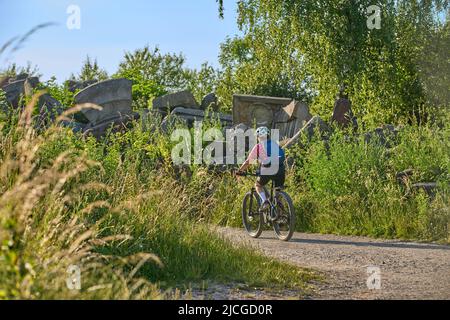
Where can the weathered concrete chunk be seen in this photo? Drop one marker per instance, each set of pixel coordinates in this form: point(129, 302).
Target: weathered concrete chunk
point(200, 114)
point(14, 91)
point(114, 96)
point(49, 106)
point(290, 119)
point(313, 125)
point(29, 85)
point(187, 117)
point(258, 110)
point(118, 123)
point(20, 88)
point(241, 126)
point(22, 76)
point(73, 85)
point(75, 126)
point(284, 114)
point(171, 101)
point(4, 81)
point(210, 101)
point(384, 135)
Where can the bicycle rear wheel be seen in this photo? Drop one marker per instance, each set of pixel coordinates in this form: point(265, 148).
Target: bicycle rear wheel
point(284, 225)
point(251, 216)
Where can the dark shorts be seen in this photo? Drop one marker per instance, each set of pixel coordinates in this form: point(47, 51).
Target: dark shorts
point(278, 178)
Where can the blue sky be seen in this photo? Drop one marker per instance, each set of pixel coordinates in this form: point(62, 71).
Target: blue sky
point(111, 27)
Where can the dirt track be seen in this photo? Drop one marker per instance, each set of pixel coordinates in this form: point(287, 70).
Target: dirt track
point(408, 270)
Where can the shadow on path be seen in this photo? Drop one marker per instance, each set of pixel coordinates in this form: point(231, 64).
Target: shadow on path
point(393, 244)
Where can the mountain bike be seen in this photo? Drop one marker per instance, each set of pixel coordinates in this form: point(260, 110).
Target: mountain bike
point(279, 214)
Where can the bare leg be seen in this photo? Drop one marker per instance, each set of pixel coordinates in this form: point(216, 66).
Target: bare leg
point(261, 192)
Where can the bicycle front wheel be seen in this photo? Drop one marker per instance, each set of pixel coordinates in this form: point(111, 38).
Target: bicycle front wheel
point(284, 225)
point(251, 217)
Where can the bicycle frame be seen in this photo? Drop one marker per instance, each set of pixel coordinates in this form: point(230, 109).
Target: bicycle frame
point(271, 195)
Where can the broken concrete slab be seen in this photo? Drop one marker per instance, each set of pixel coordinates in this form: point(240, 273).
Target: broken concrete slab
point(99, 130)
point(384, 135)
point(309, 130)
point(114, 96)
point(74, 125)
point(14, 91)
point(187, 117)
point(197, 114)
point(168, 102)
point(4, 81)
point(29, 85)
point(171, 122)
point(49, 107)
point(210, 101)
point(73, 85)
point(284, 114)
point(257, 110)
point(290, 119)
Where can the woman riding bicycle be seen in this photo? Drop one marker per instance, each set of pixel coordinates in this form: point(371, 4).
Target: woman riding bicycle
point(270, 157)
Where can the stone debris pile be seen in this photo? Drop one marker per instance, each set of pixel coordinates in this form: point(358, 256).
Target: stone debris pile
point(17, 89)
point(181, 107)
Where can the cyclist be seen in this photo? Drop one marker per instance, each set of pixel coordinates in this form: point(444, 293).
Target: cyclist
point(270, 157)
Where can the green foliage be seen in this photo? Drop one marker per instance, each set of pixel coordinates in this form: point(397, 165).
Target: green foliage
point(91, 71)
point(203, 81)
point(307, 51)
point(119, 203)
point(59, 92)
point(14, 70)
point(153, 73)
point(350, 186)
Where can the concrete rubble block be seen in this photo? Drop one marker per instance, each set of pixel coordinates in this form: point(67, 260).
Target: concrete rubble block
point(4, 81)
point(14, 91)
point(241, 126)
point(171, 101)
point(257, 110)
point(49, 107)
point(114, 96)
point(199, 115)
point(170, 122)
point(187, 117)
point(99, 130)
point(29, 85)
point(290, 119)
point(73, 85)
point(210, 101)
point(383, 135)
point(309, 130)
point(75, 126)
point(22, 76)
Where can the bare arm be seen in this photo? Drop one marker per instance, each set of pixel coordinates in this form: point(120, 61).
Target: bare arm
point(244, 166)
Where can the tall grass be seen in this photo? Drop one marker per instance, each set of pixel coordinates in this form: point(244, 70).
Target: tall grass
point(349, 186)
point(115, 208)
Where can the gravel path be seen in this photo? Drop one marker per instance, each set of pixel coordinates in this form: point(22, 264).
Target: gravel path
point(407, 270)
